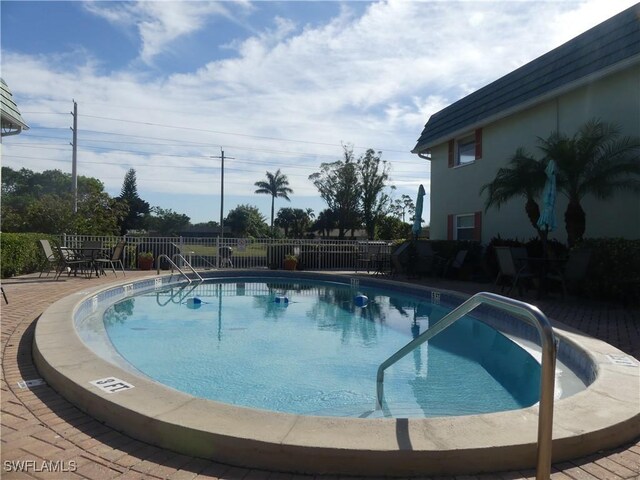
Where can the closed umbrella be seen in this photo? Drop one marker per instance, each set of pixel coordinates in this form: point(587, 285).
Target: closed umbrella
point(547, 220)
point(417, 223)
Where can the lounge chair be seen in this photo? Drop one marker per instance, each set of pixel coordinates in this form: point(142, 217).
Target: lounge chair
point(116, 258)
point(510, 269)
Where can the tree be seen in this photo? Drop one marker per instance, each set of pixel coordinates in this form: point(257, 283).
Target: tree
point(246, 220)
point(326, 221)
point(43, 202)
point(277, 185)
point(138, 208)
point(597, 160)
point(166, 221)
point(524, 177)
point(294, 221)
point(392, 228)
point(403, 205)
point(340, 188)
point(374, 174)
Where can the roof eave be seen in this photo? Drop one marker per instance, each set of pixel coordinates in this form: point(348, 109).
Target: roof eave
point(627, 63)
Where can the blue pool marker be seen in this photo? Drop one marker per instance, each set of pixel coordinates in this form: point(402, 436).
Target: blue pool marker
point(282, 300)
point(361, 300)
point(194, 303)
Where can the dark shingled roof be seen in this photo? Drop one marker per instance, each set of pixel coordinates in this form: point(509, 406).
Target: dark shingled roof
point(603, 46)
point(9, 113)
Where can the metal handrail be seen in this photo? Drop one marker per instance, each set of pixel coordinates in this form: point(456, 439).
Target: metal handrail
point(173, 265)
point(547, 374)
point(177, 294)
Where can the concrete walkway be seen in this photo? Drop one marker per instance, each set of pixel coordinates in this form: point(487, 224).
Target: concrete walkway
point(44, 436)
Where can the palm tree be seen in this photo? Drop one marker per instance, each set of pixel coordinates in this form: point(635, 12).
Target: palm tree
point(597, 160)
point(276, 185)
point(524, 177)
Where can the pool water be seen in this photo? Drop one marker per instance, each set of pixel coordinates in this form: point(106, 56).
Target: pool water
point(318, 354)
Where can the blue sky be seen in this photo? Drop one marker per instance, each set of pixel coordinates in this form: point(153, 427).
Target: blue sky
point(163, 86)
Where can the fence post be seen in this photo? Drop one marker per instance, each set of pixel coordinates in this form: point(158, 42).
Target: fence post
point(218, 251)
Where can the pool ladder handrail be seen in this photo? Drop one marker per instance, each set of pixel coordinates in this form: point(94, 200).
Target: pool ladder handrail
point(173, 265)
point(523, 311)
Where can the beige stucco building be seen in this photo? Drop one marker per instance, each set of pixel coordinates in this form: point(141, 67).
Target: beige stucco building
point(595, 75)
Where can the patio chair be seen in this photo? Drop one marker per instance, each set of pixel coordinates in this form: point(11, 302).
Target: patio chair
point(573, 271)
point(225, 257)
point(50, 259)
point(89, 252)
point(455, 263)
point(367, 255)
point(67, 262)
point(116, 258)
point(509, 268)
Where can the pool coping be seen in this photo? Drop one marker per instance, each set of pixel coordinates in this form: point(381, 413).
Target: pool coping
point(605, 415)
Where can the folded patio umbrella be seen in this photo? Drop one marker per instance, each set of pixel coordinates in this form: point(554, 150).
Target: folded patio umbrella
point(417, 223)
point(547, 220)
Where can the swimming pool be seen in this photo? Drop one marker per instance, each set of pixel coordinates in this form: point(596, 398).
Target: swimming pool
point(313, 348)
point(90, 373)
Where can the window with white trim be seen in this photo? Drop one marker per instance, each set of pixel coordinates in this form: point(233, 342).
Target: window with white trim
point(464, 228)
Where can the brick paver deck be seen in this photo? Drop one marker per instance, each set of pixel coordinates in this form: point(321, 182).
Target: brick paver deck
point(45, 437)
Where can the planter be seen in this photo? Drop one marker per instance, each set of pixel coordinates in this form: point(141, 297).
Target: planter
point(145, 263)
point(290, 264)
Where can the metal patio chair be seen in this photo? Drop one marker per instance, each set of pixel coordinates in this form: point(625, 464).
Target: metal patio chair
point(67, 262)
point(50, 259)
point(573, 271)
point(115, 258)
point(509, 269)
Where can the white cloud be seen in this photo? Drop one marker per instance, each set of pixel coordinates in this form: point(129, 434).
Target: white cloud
point(371, 80)
point(160, 22)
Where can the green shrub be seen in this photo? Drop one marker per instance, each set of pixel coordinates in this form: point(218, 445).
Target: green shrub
point(21, 253)
point(614, 269)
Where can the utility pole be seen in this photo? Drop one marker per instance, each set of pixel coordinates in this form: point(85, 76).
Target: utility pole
point(74, 157)
point(222, 157)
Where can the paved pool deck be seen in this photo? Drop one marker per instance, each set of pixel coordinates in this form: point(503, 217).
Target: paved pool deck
point(43, 436)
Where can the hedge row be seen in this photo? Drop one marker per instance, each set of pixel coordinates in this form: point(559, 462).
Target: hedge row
point(614, 267)
point(21, 253)
point(614, 270)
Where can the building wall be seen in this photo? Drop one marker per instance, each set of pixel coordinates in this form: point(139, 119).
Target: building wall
point(615, 98)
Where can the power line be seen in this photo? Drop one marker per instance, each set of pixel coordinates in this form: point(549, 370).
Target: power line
point(263, 137)
point(157, 166)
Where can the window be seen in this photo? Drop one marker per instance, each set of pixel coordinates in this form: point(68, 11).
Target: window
point(465, 150)
point(466, 226)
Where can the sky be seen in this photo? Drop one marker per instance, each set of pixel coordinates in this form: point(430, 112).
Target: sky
point(164, 87)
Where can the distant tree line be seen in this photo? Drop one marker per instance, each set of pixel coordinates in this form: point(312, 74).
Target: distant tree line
point(356, 191)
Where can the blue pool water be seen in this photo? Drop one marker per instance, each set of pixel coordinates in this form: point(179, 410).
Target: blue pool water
point(318, 353)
